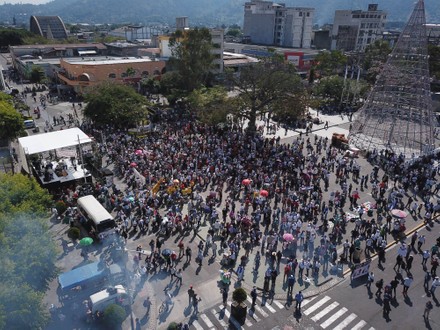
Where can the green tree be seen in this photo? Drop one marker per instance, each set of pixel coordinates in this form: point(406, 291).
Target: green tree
point(37, 74)
point(268, 86)
point(210, 104)
point(191, 57)
point(114, 315)
point(330, 63)
point(375, 57)
point(116, 105)
point(434, 61)
point(330, 88)
point(11, 122)
point(27, 253)
point(239, 295)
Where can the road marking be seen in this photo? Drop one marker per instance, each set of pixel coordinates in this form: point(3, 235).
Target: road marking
point(278, 304)
point(335, 316)
point(360, 325)
point(207, 320)
point(316, 306)
point(325, 311)
point(253, 315)
point(197, 325)
point(269, 307)
point(220, 320)
point(306, 301)
point(263, 313)
point(346, 322)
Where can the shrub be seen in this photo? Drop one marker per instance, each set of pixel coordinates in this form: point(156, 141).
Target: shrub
point(239, 295)
point(114, 315)
point(73, 233)
point(172, 326)
point(61, 207)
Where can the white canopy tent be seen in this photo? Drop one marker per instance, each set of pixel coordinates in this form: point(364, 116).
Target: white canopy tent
point(39, 143)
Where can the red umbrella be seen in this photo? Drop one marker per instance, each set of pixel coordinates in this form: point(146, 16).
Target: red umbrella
point(133, 164)
point(288, 237)
point(399, 213)
point(264, 193)
point(246, 182)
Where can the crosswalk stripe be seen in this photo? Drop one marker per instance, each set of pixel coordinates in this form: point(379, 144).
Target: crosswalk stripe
point(254, 315)
point(207, 321)
point(197, 325)
point(334, 317)
point(306, 301)
point(262, 312)
point(221, 321)
point(345, 322)
point(360, 325)
point(278, 304)
point(325, 311)
point(316, 306)
point(232, 320)
point(269, 307)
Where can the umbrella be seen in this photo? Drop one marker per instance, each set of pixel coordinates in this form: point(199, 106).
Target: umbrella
point(288, 237)
point(246, 182)
point(86, 241)
point(264, 193)
point(166, 252)
point(138, 152)
point(399, 213)
point(133, 164)
point(175, 181)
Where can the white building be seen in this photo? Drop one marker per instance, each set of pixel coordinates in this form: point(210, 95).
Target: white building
point(354, 30)
point(268, 23)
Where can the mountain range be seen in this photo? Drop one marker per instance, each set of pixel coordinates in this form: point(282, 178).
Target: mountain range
point(200, 12)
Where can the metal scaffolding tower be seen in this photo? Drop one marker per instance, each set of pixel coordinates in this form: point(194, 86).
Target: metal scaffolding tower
point(398, 113)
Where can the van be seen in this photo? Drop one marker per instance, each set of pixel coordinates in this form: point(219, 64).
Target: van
point(113, 295)
point(95, 214)
point(29, 124)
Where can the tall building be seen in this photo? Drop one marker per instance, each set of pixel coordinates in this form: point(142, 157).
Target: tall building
point(354, 30)
point(50, 27)
point(268, 23)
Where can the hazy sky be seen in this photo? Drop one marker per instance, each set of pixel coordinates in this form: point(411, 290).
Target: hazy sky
point(34, 2)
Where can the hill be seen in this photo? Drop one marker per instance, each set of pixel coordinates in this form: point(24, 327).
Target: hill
point(200, 12)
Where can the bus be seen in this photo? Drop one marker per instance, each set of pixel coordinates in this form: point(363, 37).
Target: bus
point(96, 215)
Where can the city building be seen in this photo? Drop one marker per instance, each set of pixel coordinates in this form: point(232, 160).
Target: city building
point(269, 23)
point(49, 27)
point(433, 34)
point(217, 39)
point(354, 30)
point(83, 73)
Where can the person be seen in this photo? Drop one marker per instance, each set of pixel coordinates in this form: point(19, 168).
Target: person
point(225, 297)
point(428, 308)
point(379, 286)
point(298, 299)
point(370, 280)
point(178, 276)
point(190, 294)
point(394, 283)
point(386, 303)
point(147, 305)
point(434, 265)
point(196, 301)
point(406, 284)
point(188, 253)
point(254, 296)
point(398, 264)
point(434, 285)
point(290, 284)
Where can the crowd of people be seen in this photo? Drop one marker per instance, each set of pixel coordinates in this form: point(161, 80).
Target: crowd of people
point(296, 201)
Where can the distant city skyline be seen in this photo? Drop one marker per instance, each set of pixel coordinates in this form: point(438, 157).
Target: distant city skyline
point(33, 2)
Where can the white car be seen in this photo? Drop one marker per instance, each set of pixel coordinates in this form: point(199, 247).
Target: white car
point(29, 124)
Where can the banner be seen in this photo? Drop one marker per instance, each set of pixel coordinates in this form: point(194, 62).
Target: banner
point(360, 270)
point(156, 187)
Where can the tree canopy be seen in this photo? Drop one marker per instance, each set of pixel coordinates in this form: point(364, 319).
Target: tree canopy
point(11, 122)
point(27, 253)
point(330, 63)
point(268, 86)
point(116, 105)
point(191, 57)
point(210, 104)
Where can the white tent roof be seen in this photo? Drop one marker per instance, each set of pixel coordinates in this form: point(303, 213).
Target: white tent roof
point(35, 144)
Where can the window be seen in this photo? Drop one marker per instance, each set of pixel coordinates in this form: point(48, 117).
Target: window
point(308, 14)
point(300, 13)
point(112, 75)
point(124, 74)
